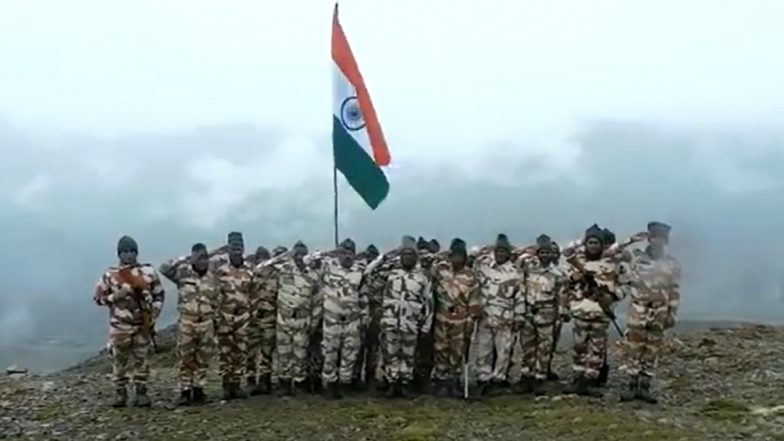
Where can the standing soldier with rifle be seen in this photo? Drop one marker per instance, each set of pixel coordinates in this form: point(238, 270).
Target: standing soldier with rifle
point(236, 300)
point(134, 295)
point(456, 309)
point(544, 294)
point(652, 310)
point(196, 304)
point(598, 283)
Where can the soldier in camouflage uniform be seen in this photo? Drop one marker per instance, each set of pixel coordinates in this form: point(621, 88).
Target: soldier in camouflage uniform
point(456, 309)
point(367, 360)
point(298, 313)
point(134, 295)
point(407, 311)
point(544, 289)
point(427, 251)
point(345, 315)
point(654, 305)
point(236, 301)
point(499, 279)
point(196, 305)
point(261, 330)
point(598, 282)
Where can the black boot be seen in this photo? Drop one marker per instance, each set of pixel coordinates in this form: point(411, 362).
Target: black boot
point(582, 386)
point(198, 396)
point(141, 399)
point(301, 387)
point(253, 386)
point(631, 389)
point(496, 388)
point(120, 397)
point(239, 392)
point(524, 386)
point(407, 391)
point(265, 385)
point(485, 388)
point(335, 390)
point(552, 376)
point(227, 394)
point(357, 385)
point(644, 392)
point(186, 398)
point(383, 386)
point(393, 391)
point(441, 388)
point(537, 387)
point(285, 387)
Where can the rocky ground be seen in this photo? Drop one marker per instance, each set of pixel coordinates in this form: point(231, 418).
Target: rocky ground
point(718, 384)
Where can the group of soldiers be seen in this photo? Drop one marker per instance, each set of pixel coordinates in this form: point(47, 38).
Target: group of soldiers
point(408, 321)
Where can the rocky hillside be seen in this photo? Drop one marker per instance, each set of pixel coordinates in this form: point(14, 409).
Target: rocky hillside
point(717, 384)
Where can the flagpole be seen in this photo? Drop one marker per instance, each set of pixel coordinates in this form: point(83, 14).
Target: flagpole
point(335, 192)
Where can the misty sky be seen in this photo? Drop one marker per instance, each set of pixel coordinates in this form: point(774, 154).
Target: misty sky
point(177, 121)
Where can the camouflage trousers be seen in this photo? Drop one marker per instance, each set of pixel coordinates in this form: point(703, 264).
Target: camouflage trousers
point(494, 344)
point(450, 338)
point(195, 340)
point(340, 347)
point(233, 346)
point(292, 341)
point(130, 355)
point(261, 344)
point(532, 351)
point(398, 349)
point(644, 339)
point(590, 345)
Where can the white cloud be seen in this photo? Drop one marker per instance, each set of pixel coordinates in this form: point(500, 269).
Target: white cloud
point(32, 194)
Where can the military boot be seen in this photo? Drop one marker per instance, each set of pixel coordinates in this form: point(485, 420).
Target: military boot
point(227, 394)
point(441, 388)
point(186, 398)
point(265, 384)
point(407, 391)
point(120, 397)
point(631, 389)
point(198, 396)
point(335, 390)
point(141, 399)
point(253, 386)
point(580, 386)
point(538, 387)
point(552, 376)
point(285, 388)
point(644, 392)
point(301, 387)
point(239, 392)
point(524, 386)
point(393, 389)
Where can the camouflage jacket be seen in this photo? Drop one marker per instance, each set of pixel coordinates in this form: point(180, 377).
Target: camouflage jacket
point(456, 294)
point(130, 292)
point(596, 285)
point(297, 296)
point(407, 302)
point(500, 290)
point(238, 291)
point(545, 292)
point(657, 281)
point(198, 294)
point(343, 299)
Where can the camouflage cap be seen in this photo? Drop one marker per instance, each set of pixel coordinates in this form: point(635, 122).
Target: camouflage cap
point(502, 241)
point(299, 245)
point(371, 249)
point(595, 232)
point(126, 243)
point(422, 243)
point(262, 252)
point(458, 246)
point(349, 245)
point(659, 229)
point(434, 246)
point(278, 250)
point(408, 243)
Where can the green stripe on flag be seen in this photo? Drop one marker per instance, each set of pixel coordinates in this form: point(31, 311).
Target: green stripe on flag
point(359, 168)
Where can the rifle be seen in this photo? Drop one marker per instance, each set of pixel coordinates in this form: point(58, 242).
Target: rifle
point(467, 360)
point(139, 285)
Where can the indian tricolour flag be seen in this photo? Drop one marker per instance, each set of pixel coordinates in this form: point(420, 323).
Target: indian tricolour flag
point(358, 143)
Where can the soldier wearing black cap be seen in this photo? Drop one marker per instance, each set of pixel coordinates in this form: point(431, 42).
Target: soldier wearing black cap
point(134, 295)
point(456, 290)
point(598, 282)
point(652, 310)
point(499, 280)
